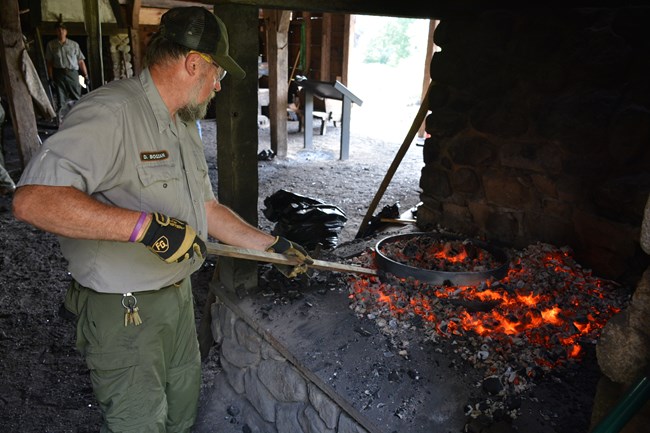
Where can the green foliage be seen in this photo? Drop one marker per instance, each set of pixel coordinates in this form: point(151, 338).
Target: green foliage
point(392, 43)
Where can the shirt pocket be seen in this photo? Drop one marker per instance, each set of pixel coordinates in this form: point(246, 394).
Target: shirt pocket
point(201, 174)
point(161, 186)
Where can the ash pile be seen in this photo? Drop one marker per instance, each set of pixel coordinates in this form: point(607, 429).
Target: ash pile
point(539, 321)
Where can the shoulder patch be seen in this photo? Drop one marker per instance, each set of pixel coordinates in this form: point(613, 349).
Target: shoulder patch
point(154, 156)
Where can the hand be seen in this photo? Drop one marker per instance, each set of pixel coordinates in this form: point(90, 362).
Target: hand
point(171, 239)
point(291, 249)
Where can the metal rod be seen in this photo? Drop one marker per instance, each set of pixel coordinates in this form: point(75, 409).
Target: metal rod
point(626, 408)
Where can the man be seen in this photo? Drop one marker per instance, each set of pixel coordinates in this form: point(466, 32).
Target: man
point(64, 62)
point(124, 183)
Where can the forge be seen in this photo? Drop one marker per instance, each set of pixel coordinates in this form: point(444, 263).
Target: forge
point(352, 353)
point(537, 141)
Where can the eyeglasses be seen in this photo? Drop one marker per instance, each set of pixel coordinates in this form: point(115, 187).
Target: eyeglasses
point(221, 71)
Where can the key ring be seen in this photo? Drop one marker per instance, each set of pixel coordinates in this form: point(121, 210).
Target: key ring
point(129, 301)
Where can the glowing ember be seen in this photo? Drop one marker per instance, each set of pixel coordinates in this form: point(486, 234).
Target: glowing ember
point(538, 317)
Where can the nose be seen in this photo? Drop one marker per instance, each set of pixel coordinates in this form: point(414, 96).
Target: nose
point(217, 85)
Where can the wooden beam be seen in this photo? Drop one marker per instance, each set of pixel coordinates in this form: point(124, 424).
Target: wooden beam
point(348, 41)
point(150, 16)
point(306, 19)
point(426, 77)
point(236, 117)
point(118, 13)
point(93, 26)
point(133, 22)
point(277, 25)
point(35, 13)
point(168, 4)
point(41, 63)
point(437, 9)
point(326, 47)
point(21, 106)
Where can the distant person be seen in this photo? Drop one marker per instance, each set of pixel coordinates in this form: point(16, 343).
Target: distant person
point(64, 63)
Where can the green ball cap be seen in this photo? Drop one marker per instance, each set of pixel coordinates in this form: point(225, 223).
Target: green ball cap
point(198, 29)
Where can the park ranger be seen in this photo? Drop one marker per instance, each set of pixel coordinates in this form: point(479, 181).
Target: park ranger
point(64, 63)
point(124, 183)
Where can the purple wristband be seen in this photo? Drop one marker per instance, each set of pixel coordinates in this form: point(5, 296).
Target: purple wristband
point(138, 226)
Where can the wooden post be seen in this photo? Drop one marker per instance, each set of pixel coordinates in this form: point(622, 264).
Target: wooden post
point(42, 64)
point(326, 47)
point(427, 67)
point(237, 141)
point(277, 25)
point(94, 29)
point(133, 22)
point(306, 19)
point(21, 106)
point(348, 40)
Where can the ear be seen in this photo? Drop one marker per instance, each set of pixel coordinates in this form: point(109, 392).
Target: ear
point(191, 64)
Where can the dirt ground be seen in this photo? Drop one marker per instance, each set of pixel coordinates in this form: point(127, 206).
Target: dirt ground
point(44, 384)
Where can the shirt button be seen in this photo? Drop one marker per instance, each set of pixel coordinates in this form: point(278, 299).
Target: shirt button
point(164, 185)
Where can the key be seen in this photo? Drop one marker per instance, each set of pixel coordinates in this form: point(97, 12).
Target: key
point(131, 315)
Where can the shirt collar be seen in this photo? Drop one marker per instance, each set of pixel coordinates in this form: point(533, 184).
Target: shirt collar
point(157, 105)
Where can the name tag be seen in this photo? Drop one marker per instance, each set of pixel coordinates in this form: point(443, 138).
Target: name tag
point(154, 156)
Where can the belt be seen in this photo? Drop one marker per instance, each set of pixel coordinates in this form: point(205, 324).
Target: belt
point(65, 69)
point(176, 284)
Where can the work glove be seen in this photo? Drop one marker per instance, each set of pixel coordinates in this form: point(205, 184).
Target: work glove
point(290, 249)
point(171, 239)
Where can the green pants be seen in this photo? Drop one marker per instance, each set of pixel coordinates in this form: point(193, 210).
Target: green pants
point(66, 83)
point(146, 378)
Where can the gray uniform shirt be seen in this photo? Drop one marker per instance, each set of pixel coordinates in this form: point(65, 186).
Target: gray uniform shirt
point(65, 55)
point(119, 145)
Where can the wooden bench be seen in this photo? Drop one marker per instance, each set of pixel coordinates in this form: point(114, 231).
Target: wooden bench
point(320, 115)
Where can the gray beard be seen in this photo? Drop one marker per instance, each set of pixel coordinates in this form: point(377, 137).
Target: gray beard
point(193, 111)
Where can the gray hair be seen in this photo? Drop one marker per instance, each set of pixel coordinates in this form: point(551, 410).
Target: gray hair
point(160, 51)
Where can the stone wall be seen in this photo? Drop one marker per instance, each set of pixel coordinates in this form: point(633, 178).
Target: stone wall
point(540, 131)
point(121, 57)
point(281, 397)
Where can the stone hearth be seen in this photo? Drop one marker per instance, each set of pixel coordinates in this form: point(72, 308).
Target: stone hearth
point(300, 360)
point(538, 132)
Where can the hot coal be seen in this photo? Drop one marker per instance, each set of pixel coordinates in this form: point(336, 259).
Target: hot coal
point(440, 254)
point(537, 322)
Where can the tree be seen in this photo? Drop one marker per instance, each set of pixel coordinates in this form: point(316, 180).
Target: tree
point(392, 44)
